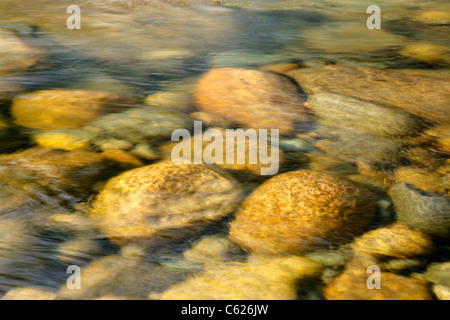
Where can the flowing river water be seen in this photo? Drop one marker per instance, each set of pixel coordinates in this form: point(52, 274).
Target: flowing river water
point(87, 174)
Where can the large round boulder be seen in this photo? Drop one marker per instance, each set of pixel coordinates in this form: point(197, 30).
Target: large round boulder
point(251, 98)
point(164, 201)
point(300, 210)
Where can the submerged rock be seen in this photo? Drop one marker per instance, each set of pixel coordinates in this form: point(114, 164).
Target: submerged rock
point(55, 170)
point(65, 109)
point(164, 201)
point(439, 273)
point(29, 293)
point(361, 130)
point(252, 98)
point(441, 292)
point(73, 225)
point(62, 139)
point(301, 210)
point(78, 251)
point(211, 249)
point(121, 275)
point(8, 89)
point(427, 52)
point(181, 101)
point(10, 137)
point(438, 17)
point(425, 179)
point(349, 39)
point(427, 212)
point(352, 147)
point(352, 285)
point(138, 125)
point(258, 279)
point(442, 136)
point(15, 53)
point(258, 154)
point(336, 111)
point(395, 241)
point(409, 90)
point(21, 258)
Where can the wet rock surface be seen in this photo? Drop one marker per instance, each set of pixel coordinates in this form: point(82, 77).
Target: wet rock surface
point(118, 274)
point(408, 90)
point(426, 212)
point(137, 125)
point(395, 241)
point(102, 102)
point(352, 285)
point(258, 279)
point(301, 210)
point(16, 54)
point(64, 109)
point(164, 201)
point(259, 154)
point(253, 99)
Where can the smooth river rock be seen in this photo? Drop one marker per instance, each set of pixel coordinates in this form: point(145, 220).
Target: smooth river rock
point(164, 201)
point(65, 109)
point(427, 212)
point(251, 98)
point(258, 279)
point(395, 241)
point(352, 285)
point(301, 210)
point(423, 94)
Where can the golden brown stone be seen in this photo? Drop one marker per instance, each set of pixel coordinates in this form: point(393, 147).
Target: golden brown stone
point(251, 98)
point(300, 210)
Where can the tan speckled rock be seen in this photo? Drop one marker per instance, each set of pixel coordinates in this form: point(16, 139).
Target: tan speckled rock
point(255, 99)
point(164, 201)
point(64, 109)
point(300, 210)
point(396, 241)
point(352, 285)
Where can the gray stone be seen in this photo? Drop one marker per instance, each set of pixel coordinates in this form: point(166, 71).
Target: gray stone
point(337, 111)
point(138, 125)
point(424, 94)
point(439, 273)
point(427, 212)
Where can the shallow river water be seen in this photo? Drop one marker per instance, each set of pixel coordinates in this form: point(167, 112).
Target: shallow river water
point(353, 175)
